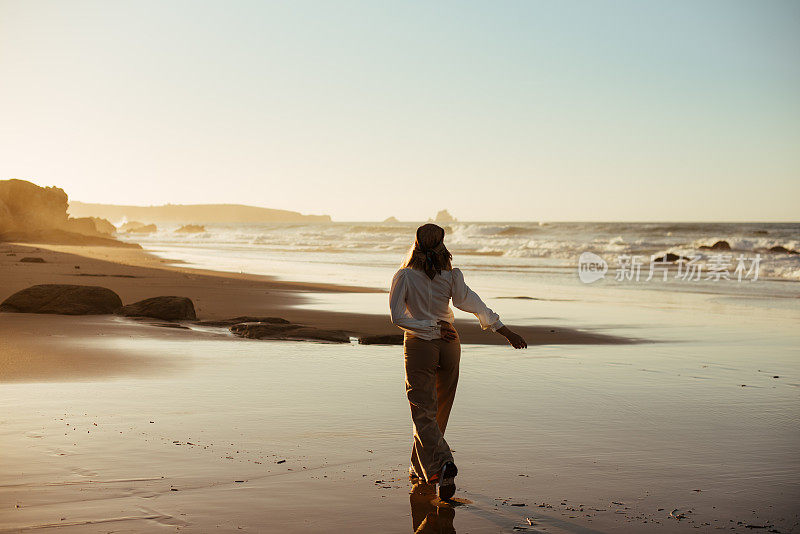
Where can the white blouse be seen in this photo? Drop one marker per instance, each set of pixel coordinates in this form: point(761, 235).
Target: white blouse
point(418, 303)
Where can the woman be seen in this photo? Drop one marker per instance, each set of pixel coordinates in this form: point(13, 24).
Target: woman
point(419, 302)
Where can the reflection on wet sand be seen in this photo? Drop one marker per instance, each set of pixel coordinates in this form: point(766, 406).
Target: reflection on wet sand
point(197, 430)
point(429, 515)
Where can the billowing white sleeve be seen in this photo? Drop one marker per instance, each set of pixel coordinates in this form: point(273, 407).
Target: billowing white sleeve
point(467, 300)
point(400, 315)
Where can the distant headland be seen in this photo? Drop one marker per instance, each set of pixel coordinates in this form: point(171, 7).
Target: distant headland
point(191, 213)
point(30, 213)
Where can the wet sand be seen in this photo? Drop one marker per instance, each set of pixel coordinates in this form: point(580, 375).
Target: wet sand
point(135, 275)
point(117, 425)
point(588, 439)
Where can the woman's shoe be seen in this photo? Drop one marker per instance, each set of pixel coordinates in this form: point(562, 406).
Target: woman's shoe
point(447, 481)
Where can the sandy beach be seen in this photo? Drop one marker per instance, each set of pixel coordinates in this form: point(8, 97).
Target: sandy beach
point(135, 275)
point(119, 425)
point(257, 257)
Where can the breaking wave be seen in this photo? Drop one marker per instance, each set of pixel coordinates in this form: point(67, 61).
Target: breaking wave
point(519, 242)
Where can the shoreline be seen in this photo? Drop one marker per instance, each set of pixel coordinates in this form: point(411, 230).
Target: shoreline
point(220, 295)
point(135, 274)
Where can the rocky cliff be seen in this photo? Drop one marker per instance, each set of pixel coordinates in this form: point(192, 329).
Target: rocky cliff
point(30, 213)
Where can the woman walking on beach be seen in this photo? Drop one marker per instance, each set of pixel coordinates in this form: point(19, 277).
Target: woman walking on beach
point(419, 301)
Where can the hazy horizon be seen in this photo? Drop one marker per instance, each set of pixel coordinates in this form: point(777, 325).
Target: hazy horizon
point(520, 111)
point(336, 220)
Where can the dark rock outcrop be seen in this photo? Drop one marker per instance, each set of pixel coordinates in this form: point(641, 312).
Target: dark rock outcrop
point(172, 325)
point(131, 225)
point(444, 217)
point(669, 257)
point(144, 229)
point(289, 332)
point(719, 245)
point(63, 299)
point(167, 308)
point(191, 229)
point(782, 250)
point(261, 330)
point(306, 333)
point(32, 259)
point(92, 226)
point(387, 339)
point(104, 226)
point(243, 319)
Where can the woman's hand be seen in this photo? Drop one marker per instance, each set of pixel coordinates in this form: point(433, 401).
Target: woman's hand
point(448, 331)
point(513, 338)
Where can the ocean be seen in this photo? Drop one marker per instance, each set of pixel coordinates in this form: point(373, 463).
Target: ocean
point(510, 259)
point(698, 417)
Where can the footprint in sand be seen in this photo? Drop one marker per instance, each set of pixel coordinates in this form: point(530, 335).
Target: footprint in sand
point(84, 472)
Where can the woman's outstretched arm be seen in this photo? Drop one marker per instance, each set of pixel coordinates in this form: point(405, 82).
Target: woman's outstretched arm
point(516, 340)
point(467, 300)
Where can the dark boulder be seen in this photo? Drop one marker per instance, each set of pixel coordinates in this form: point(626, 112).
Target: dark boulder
point(172, 325)
point(386, 339)
point(191, 229)
point(32, 259)
point(259, 330)
point(63, 299)
point(166, 308)
point(288, 332)
point(782, 250)
point(307, 333)
point(669, 257)
point(243, 319)
point(719, 245)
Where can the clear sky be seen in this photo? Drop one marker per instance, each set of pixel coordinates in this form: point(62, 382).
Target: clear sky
point(495, 110)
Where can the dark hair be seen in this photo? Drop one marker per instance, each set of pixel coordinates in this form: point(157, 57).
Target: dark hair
point(428, 252)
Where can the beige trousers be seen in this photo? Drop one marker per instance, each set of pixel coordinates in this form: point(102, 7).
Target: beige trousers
point(431, 380)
